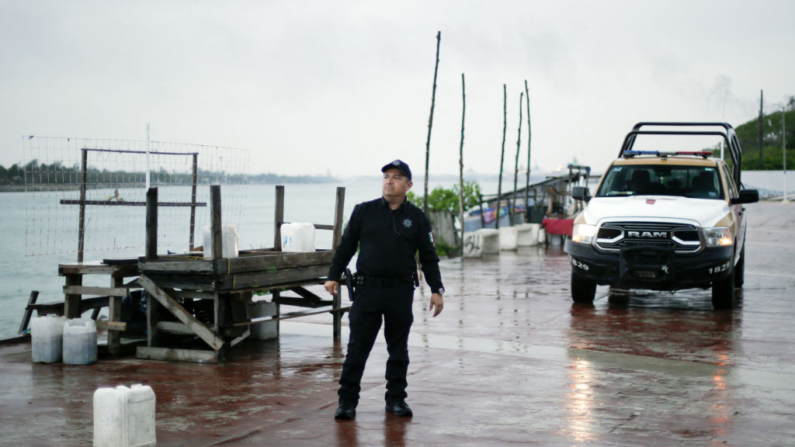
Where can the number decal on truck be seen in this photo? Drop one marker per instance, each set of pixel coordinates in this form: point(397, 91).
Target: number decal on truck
point(720, 269)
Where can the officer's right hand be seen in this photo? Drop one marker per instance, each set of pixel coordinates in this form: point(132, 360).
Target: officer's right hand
point(332, 287)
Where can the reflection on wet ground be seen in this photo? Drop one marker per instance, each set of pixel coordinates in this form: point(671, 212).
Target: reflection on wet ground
point(511, 360)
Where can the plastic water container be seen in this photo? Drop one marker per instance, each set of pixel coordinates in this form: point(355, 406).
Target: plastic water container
point(124, 417)
point(229, 247)
point(298, 237)
point(80, 341)
point(46, 334)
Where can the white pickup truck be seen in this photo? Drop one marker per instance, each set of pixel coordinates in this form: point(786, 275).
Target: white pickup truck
point(663, 220)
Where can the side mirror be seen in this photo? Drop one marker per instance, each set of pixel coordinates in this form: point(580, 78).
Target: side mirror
point(580, 193)
point(746, 196)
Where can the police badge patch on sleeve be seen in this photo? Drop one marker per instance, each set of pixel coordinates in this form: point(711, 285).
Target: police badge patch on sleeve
point(430, 236)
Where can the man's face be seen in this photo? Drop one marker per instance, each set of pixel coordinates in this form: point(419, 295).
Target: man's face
point(395, 185)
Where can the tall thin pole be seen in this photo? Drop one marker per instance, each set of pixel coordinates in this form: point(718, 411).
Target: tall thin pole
point(430, 124)
point(502, 155)
point(527, 183)
point(516, 164)
point(784, 147)
point(761, 117)
point(81, 223)
point(147, 157)
point(461, 162)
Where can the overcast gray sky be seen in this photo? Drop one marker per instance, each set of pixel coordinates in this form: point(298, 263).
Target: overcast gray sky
point(311, 87)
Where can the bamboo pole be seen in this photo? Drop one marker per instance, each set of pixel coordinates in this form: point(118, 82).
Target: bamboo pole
point(527, 183)
point(502, 154)
point(516, 164)
point(461, 163)
point(430, 125)
point(81, 222)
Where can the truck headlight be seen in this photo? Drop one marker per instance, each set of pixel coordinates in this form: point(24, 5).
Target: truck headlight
point(718, 237)
point(583, 233)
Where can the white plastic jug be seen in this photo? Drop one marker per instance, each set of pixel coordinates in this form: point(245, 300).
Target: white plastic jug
point(124, 417)
point(298, 237)
point(79, 341)
point(46, 334)
point(229, 247)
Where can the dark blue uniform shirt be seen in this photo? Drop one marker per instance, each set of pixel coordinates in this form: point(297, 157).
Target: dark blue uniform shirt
point(388, 240)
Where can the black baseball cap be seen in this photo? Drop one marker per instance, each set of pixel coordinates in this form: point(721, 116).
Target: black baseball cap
point(401, 166)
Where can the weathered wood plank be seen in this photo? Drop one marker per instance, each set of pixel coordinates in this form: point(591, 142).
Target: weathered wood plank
point(278, 218)
point(183, 315)
point(97, 268)
point(177, 355)
point(215, 221)
point(175, 327)
point(85, 290)
point(338, 211)
point(72, 306)
point(192, 294)
point(190, 282)
point(272, 262)
point(301, 302)
point(34, 295)
point(151, 223)
point(114, 317)
point(263, 279)
point(112, 327)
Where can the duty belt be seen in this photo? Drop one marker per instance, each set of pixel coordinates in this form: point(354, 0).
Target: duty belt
point(382, 281)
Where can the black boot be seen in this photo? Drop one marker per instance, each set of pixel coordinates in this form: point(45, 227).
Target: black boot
point(399, 408)
point(345, 412)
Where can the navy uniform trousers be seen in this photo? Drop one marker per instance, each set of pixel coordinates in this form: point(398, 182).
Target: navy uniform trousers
point(371, 305)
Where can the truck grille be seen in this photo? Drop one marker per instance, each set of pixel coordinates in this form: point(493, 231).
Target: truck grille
point(683, 238)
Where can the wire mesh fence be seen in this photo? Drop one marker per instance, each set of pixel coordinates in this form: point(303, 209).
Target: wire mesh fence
point(90, 194)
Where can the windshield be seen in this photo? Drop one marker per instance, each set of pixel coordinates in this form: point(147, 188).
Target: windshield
point(700, 182)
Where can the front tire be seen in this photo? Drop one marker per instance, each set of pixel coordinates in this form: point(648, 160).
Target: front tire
point(582, 290)
point(723, 292)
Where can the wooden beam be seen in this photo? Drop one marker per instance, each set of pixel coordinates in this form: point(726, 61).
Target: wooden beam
point(114, 317)
point(278, 218)
point(270, 279)
point(72, 301)
point(105, 291)
point(183, 315)
point(177, 355)
point(151, 223)
point(34, 295)
point(215, 223)
point(112, 327)
point(301, 302)
point(339, 209)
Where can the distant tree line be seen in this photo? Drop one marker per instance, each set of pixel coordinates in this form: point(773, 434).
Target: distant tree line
point(41, 174)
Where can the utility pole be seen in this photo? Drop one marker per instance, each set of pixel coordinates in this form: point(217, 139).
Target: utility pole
point(784, 147)
point(761, 118)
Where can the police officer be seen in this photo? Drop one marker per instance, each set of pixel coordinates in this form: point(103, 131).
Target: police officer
point(388, 232)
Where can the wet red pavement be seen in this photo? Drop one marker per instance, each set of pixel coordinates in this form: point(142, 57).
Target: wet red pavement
point(510, 361)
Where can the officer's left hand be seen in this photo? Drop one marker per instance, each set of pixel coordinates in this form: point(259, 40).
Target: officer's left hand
point(438, 302)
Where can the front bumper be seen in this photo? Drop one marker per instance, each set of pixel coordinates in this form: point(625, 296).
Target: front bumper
point(650, 267)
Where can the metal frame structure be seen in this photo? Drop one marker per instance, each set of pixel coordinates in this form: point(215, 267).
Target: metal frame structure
point(735, 151)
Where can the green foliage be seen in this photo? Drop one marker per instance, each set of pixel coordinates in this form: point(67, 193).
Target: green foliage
point(748, 134)
point(447, 198)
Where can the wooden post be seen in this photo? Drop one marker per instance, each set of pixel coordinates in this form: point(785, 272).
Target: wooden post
point(278, 219)
point(482, 217)
point(527, 183)
point(430, 125)
point(502, 154)
point(461, 163)
point(516, 165)
point(34, 295)
point(81, 222)
point(194, 181)
point(72, 301)
point(276, 295)
point(114, 315)
point(339, 209)
point(215, 199)
point(151, 224)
